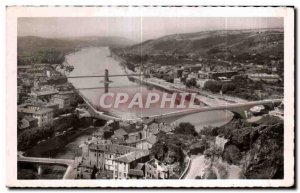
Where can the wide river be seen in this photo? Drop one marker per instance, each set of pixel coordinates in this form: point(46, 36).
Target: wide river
point(94, 61)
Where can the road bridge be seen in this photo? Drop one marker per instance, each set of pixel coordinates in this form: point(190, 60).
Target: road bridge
point(49, 161)
point(237, 108)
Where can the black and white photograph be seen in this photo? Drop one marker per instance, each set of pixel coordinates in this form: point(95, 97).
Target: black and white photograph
point(163, 97)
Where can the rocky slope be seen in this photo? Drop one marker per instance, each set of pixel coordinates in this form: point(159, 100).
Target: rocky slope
point(256, 149)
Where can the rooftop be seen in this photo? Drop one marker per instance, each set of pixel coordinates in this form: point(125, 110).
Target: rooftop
point(38, 111)
point(45, 92)
point(132, 156)
point(151, 139)
point(112, 148)
point(61, 96)
point(136, 172)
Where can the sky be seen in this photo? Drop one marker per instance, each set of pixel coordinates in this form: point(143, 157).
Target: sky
point(136, 28)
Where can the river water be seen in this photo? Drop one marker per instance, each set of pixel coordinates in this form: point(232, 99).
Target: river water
point(94, 61)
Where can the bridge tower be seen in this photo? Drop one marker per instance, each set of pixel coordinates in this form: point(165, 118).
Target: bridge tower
point(106, 81)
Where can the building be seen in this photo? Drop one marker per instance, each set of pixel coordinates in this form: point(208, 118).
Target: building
point(43, 115)
point(221, 142)
point(63, 101)
point(40, 103)
point(201, 82)
point(194, 68)
point(146, 143)
point(264, 77)
point(101, 155)
point(129, 165)
point(177, 81)
point(52, 106)
point(178, 73)
point(156, 170)
point(133, 132)
point(155, 128)
point(44, 94)
point(28, 122)
point(227, 74)
point(122, 160)
point(202, 74)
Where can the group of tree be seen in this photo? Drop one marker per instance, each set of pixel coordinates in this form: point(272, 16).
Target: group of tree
point(191, 83)
point(186, 128)
point(168, 149)
point(216, 86)
point(30, 137)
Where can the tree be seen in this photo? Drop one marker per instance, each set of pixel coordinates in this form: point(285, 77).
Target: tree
point(213, 86)
point(107, 134)
point(228, 87)
point(191, 83)
point(30, 137)
point(186, 129)
point(213, 152)
point(94, 172)
point(168, 148)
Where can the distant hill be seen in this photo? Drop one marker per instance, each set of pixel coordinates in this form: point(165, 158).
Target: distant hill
point(208, 43)
point(33, 44)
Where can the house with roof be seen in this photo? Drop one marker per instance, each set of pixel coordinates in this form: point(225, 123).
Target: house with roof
point(63, 101)
point(130, 165)
point(117, 158)
point(119, 135)
point(45, 94)
point(28, 122)
point(156, 170)
point(42, 114)
point(152, 129)
point(137, 172)
point(101, 155)
point(128, 133)
point(146, 143)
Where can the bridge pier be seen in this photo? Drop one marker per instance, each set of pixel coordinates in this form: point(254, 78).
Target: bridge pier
point(40, 170)
point(241, 112)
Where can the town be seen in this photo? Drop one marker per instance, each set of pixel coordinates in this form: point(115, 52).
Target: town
point(52, 114)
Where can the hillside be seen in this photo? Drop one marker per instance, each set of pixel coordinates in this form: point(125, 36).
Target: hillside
point(265, 42)
point(33, 49)
point(34, 44)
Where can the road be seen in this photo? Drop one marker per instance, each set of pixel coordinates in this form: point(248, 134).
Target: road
point(198, 164)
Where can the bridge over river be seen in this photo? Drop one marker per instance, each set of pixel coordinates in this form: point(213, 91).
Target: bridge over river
point(237, 108)
point(49, 161)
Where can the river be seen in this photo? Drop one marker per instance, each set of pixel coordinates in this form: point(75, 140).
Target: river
point(94, 61)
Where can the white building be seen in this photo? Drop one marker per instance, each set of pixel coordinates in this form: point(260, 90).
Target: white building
point(43, 115)
point(264, 77)
point(62, 100)
point(156, 170)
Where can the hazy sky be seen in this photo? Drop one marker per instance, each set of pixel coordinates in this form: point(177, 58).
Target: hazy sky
point(135, 28)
